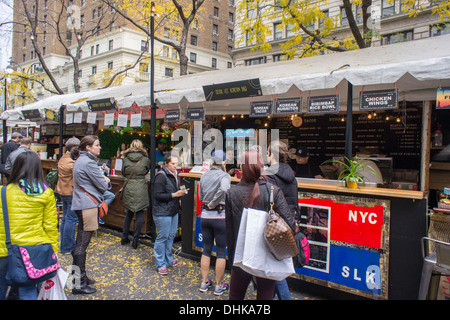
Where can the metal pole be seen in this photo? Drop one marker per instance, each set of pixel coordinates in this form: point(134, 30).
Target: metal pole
point(61, 130)
point(5, 128)
point(152, 104)
point(349, 123)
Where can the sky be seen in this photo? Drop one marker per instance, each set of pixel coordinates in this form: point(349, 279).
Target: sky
point(5, 32)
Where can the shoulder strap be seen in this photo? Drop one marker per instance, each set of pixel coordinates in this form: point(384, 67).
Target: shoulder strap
point(132, 171)
point(92, 198)
point(6, 218)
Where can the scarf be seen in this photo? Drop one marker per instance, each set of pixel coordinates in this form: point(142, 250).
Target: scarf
point(32, 190)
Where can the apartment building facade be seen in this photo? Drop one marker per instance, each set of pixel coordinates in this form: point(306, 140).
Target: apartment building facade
point(393, 26)
point(117, 43)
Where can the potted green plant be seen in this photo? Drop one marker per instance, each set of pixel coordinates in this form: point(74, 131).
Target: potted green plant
point(353, 171)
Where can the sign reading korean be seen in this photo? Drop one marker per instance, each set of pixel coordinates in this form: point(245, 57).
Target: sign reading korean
point(260, 109)
point(378, 100)
point(288, 106)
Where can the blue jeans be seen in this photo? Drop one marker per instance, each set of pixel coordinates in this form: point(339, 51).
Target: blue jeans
point(282, 290)
point(68, 225)
point(25, 293)
point(108, 197)
point(166, 227)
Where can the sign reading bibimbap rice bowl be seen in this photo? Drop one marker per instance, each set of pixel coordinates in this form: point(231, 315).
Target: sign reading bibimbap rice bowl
point(323, 104)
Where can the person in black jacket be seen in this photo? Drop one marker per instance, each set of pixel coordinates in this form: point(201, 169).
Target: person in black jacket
point(165, 212)
point(251, 192)
point(8, 148)
point(282, 175)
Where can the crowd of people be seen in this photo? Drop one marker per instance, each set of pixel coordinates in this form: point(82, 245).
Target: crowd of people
point(82, 188)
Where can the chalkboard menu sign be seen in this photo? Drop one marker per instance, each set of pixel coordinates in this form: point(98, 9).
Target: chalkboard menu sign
point(195, 114)
point(324, 136)
point(288, 106)
point(172, 115)
point(324, 104)
point(260, 109)
point(378, 100)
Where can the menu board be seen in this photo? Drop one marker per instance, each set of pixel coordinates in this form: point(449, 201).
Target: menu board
point(324, 136)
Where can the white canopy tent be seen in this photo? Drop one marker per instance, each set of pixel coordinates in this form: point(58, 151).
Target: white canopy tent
point(416, 68)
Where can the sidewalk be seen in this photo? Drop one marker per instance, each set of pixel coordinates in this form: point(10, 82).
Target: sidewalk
point(122, 273)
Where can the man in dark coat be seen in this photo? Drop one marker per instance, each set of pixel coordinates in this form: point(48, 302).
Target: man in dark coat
point(8, 148)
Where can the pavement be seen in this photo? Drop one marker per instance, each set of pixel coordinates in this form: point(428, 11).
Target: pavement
point(124, 273)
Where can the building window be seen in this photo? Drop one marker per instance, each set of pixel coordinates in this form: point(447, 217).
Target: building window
point(165, 52)
point(110, 65)
point(278, 57)
point(214, 46)
point(230, 17)
point(229, 64)
point(92, 51)
point(143, 67)
point(277, 31)
point(193, 57)
point(174, 54)
point(214, 62)
point(166, 33)
point(168, 72)
point(216, 12)
point(230, 48)
point(69, 36)
point(193, 40)
point(230, 34)
point(215, 30)
point(43, 51)
point(144, 46)
point(344, 20)
point(94, 70)
point(97, 49)
point(111, 44)
point(439, 29)
point(388, 8)
point(397, 37)
point(359, 16)
point(251, 62)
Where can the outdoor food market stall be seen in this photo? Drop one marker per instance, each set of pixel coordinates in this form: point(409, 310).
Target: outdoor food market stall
point(380, 100)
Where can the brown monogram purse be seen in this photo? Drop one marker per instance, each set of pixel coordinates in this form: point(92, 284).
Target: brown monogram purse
point(278, 235)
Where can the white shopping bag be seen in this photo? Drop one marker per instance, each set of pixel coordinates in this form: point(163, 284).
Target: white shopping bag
point(53, 289)
point(251, 253)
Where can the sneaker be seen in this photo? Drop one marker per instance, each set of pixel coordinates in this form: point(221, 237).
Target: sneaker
point(162, 271)
point(175, 263)
point(205, 285)
point(100, 221)
point(220, 289)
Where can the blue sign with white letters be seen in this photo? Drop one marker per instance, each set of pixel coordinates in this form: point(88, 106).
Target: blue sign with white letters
point(354, 268)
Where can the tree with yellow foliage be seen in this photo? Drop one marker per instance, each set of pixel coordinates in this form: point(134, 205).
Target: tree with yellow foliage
point(312, 30)
point(176, 15)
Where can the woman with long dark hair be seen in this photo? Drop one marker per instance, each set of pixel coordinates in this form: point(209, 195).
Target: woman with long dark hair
point(89, 185)
point(251, 192)
point(32, 212)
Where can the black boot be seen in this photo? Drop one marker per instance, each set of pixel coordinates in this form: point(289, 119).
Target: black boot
point(81, 281)
point(83, 287)
point(135, 243)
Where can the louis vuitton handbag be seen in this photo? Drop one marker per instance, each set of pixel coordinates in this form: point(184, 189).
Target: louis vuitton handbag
point(278, 235)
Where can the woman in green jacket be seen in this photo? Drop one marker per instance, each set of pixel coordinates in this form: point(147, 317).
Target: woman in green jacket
point(136, 165)
point(32, 212)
